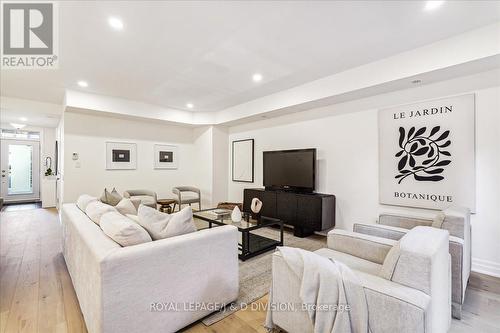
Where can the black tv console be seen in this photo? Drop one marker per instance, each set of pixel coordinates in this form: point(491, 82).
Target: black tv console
point(306, 212)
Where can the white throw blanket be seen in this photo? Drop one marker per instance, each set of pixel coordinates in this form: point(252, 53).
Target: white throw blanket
point(326, 282)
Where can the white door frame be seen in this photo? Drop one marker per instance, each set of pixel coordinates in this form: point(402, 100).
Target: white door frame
point(4, 158)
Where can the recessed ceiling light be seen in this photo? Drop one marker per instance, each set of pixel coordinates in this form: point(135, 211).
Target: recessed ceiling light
point(83, 84)
point(257, 77)
point(23, 119)
point(17, 126)
point(115, 23)
point(431, 5)
point(189, 105)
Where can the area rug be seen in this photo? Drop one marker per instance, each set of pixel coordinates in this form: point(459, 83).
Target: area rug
point(255, 273)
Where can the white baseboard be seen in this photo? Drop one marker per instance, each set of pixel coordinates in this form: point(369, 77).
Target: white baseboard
point(486, 267)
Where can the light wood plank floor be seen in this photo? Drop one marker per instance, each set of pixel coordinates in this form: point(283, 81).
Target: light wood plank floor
point(36, 293)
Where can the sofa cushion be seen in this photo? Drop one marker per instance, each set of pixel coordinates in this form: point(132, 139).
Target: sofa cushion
point(145, 200)
point(83, 200)
point(390, 262)
point(438, 220)
point(96, 209)
point(161, 225)
point(351, 261)
point(111, 198)
point(136, 202)
point(360, 245)
point(126, 206)
point(123, 230)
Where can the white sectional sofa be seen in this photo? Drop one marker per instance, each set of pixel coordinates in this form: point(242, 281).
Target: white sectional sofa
point(158, 286)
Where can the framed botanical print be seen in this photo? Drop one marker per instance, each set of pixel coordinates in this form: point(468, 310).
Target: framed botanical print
point(427, 153)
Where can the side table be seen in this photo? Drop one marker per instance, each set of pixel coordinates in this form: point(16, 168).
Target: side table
point(165, 205)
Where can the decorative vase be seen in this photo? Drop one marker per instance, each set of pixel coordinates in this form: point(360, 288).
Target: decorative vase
point(236, 214)
point(256, 206)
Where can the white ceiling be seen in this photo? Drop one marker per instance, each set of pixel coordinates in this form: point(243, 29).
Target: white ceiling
point(171, 53)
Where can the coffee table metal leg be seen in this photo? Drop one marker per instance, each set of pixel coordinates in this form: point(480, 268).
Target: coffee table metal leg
point(281, 234)
point(245, 244)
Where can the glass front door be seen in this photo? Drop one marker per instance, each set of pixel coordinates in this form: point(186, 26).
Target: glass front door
point(20, 170)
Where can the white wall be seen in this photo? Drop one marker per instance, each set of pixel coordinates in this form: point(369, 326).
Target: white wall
point(220, 172)
point(211, 164)
point(87, 136)
point(346, 137)
point(202, 163)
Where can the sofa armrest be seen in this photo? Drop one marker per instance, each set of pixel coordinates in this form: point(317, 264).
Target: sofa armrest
point(196, 269)
point(363, 246)
point(380, 230)
point(404, 221)
point(409, 309)
point(460, 273)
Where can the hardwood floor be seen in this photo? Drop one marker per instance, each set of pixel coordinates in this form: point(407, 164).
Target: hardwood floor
point(36, 293)
point(21, 206)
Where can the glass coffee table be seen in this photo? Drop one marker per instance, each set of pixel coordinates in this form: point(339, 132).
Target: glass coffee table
point(251, 243)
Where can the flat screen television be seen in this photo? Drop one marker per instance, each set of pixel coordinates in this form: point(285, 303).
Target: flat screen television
point(293, 170)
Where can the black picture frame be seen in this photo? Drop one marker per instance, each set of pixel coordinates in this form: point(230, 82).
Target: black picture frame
point(165, 156)
point(120, 155)
point(253, 161)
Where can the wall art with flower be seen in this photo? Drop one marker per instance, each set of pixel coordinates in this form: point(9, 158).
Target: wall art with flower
point(427, 154)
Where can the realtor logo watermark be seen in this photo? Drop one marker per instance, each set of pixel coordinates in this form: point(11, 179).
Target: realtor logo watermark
point(29, 35)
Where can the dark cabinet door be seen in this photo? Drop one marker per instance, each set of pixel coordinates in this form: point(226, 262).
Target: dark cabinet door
point(248, 195)
point(309, 211)
point(286, 207)
point(268, 203)
point(268, 199)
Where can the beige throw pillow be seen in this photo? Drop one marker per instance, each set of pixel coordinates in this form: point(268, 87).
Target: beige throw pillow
point(390, 262)
point(83, 200)
point(96, 209)
point(122, 230)
point(126, 206)
point(161, 225)
point(111, 198)
point(438, 220)
point(136, 202)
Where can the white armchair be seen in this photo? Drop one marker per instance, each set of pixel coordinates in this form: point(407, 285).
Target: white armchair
point(415, 297)
point(187, 195)
point(457, 222)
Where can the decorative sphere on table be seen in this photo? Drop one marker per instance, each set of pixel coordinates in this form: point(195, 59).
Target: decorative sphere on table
point(236, 214)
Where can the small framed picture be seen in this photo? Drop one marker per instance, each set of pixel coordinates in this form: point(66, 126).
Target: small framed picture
point(121, 156)
point(243, 162)
point(166, 157)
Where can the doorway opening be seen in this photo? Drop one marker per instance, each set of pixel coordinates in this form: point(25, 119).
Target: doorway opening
point(20, 166)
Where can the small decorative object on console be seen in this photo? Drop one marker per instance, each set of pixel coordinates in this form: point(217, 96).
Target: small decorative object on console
point(256, 206)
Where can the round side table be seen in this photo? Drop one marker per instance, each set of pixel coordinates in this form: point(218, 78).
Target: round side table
point(165, 205)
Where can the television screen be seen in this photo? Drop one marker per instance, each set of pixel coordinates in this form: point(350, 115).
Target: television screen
point(290, 169)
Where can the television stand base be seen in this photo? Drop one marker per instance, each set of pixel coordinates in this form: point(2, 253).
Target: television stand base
point(302, 232)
